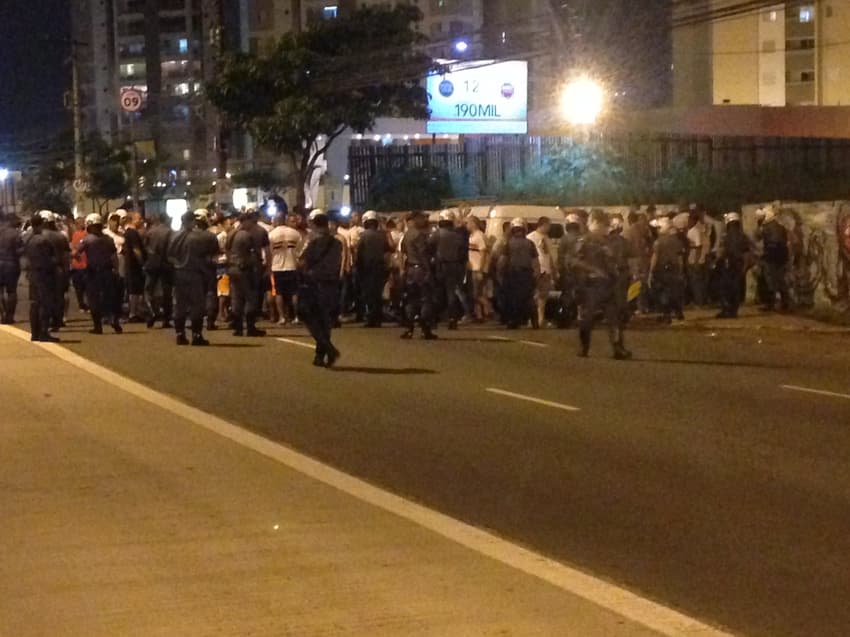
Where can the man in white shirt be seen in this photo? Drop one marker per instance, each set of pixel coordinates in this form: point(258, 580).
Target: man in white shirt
point(286, 244)
point(479, 263)
point(546, 279)
point(700, 246)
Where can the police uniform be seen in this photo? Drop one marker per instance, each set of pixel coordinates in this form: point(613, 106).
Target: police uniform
point(418, 282)
point(63, 277)
point(450, 248)
point(191, 252)
point(101, 257)
point(40, 253)
point(668, 275)
point(159, 275)
point(733, 255)
point(622, 254)
point(318, 291)
point(775, 257)
point(11, 249)
point(372, 250)
point(519, 259)
point(244, 258)
point(567, 257)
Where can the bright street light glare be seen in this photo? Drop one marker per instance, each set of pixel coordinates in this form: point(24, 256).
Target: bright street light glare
point(461, 46)
point(582, 101)
point(4, 174)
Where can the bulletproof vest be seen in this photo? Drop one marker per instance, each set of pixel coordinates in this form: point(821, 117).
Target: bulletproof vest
point(595, 252)
point(156, 245)
point(323, 258)
point(670, 250)
point(58, 240)
point(243, 252)
point(99, 250)
point(735, 247)
point(40, 252)
point(520, 253)
point(416, 248)
point(450, 246)
point(621, 251)
point(10, 245)
point(372, 248)
point(775, 238)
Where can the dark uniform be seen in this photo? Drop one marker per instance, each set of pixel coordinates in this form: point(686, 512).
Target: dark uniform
point(622, 253)
point(598, 292)
point(134, 261)
point(518, 269)
point(775, 257)
point(192, 252)
point(101, 260)
point(62, 248)
point(668, 280)
point(451, 250)
point(11, 249)
point(40, 253)
point(159, 275)
point(372, 251)
point(244, 255)
point(567, 258)
point(733, 256)
point(418, 283)
point(318, 291)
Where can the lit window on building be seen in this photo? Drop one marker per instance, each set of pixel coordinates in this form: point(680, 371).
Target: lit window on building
point(330, 12)
point(807, 14)
point(183, 45)
point(181, 89)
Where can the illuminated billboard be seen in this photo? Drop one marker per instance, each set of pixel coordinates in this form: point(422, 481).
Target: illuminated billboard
point(480, 98)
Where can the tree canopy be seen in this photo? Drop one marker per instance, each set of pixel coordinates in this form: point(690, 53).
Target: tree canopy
point(340, 74)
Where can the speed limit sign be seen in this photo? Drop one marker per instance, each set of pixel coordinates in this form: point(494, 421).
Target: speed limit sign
point(131, 100)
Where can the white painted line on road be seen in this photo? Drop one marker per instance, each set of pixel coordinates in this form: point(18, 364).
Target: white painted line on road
point(628, 605)
point(534, 344)
point(819, 392)
point(504, 339)
point(532, 399)
point(298, 343)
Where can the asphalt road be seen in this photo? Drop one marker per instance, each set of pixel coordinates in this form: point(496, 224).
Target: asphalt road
point(689, 475)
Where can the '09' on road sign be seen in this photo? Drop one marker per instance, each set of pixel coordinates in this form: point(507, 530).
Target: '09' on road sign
point(131, 100)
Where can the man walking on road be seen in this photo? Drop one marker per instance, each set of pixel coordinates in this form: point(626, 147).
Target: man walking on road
point(11, 250)
point(286, 243)
point(159, 275)
point(450, 248)
point(101, 274)
point(320, 266)
point(520, 266)
point(373, 248)
point(667, 268)
point(40, 253)
point(418, 279)
point(63, 265)
point(244, 255)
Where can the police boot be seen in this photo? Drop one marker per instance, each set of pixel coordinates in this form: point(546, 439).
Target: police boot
point(584, 342)
point(453, 324)
point(198, 340)
point(11, 306)
point(333, 356)
point(620, 351)
point(211, 326)
point(237, 327)
point(252, 328)
point(428, 334)
point(98, 326)
point(181, 338)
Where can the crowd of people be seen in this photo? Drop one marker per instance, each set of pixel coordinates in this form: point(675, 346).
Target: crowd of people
point(239, 268)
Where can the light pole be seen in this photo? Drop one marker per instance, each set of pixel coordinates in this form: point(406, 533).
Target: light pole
point(4, 175)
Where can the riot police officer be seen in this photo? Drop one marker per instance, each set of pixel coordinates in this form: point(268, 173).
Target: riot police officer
point(417, 255)
point(450, 249)
point(159, 275)
point(203, 221)
point(192, 252)
point(598, 287)
point(733, 259)
point(567, 256)
point(622, 252)
point(11, 250)
point(520, 267)
point(775, 257)
point(372, 250)
point(667, 268)
point(244, 256)
point(63, 268)
point(101, 268)
point(40, 253)
point(320, 266)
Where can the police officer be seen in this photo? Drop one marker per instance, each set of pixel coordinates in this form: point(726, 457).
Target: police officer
point(733, 258)
point(667, 268)
point(450, 248)
point(101, 270)
point(372, 250)
point(41, 256)
point(244, 256)
point(598, 287)
point(159, 275)
point(203, 222)
point(63, 268)
point(567, 257)
point(11, 250)
point(520, 267)
point(417, 255)
point(320, 266)
point(623, 254)
point(775, 258)
point(191, 252)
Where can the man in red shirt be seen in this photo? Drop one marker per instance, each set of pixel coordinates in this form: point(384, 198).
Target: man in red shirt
point(78, 263)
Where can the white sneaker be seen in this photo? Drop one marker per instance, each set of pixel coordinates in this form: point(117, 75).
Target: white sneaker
point(282, 322)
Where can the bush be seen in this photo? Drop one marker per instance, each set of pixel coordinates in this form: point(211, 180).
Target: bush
point(400, 188)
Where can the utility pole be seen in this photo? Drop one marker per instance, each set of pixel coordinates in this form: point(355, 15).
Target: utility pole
point(76, 107)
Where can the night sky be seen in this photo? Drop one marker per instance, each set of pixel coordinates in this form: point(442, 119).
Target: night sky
point(33, 76)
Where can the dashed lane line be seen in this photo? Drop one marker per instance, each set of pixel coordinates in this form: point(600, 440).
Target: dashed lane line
point(532, 399)
point(818, 392)
point(289, 341)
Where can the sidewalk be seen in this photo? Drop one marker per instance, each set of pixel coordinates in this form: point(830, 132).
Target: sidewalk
point(751, 318)
point(121, 518)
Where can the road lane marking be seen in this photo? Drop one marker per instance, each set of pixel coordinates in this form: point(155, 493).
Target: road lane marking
point(298, 343)
point(534, 344)
point(532, 399)
point(628, 605)
point(504, 339)
point(819, 392)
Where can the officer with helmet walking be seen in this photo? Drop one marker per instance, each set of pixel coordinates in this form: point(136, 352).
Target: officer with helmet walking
point(41, 257)
point(450, 248)
point(417, 254)
point(734, 257)
point(373, 247)
point(519, 266)
point(63, 267)
point(101, 270)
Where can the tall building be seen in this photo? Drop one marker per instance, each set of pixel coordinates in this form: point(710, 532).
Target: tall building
point(790, 53)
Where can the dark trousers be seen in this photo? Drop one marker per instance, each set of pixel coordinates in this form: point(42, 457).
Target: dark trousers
point(159, 290)
point(78, 279)
point(10, 274)
point(190, 290)
point(731, 279)
point(372, 280)
point(776, 282)
point(317, 303)
point(669, 286)
point(244, 296)
point(519, 296)
point(42, 293)
point(449, 281)
point(100, 291)
point(601, 296)
point(419, 292)
point(57, 314)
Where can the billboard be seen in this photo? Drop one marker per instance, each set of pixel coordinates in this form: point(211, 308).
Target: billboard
point(479, 98)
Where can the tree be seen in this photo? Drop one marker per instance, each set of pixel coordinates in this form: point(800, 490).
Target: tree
point(106, 168)
point(47, 189)
point(409, 188)
point(341, 74)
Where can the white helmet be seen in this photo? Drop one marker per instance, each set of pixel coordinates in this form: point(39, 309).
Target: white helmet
point(573, 218)
point(315, 214)
point(769, 213)
point(664, 225)
point(731, 217)
point(47, 216)
point(94, 219)
point(369, 215)
point(681, 221)
point(616, 223)
point(518, 223)
point(120, 213)
point(447, 215)
point(201, 214)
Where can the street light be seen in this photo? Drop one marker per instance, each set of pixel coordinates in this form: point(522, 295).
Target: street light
point(4, 174)
point(461, 46)
point(582, 101)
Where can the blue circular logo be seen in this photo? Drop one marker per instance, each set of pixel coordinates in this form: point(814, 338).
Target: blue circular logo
point(447, 89)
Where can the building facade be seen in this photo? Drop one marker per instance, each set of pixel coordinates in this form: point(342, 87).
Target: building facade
point(788, 54)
